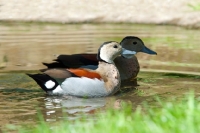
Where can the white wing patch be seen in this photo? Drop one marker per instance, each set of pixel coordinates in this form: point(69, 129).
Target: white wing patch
point(49, 84)
point(84, 87)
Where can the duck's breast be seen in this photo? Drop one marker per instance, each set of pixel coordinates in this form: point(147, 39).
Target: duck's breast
point(128, 68)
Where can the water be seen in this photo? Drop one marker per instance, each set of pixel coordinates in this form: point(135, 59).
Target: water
point(22, 99)
point(23, 46)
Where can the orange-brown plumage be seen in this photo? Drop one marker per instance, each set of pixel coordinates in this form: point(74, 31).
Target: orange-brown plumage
point(85, 73)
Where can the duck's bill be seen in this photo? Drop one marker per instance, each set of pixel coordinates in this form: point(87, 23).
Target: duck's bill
point(127, 53)
point(148, 51)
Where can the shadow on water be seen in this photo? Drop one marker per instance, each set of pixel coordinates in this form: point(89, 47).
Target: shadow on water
point(23, 46)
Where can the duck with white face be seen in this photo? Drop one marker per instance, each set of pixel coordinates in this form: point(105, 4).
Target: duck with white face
point(83, 82)
point(126, 63)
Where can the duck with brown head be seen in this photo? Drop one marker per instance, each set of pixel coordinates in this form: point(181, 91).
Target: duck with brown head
point(81, 82)
point(127, 64)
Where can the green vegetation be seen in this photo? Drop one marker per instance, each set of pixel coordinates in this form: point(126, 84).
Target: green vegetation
point(147, 80)
point(178, 75)
point(5, 58)
point(167, 117)
point(195, 7)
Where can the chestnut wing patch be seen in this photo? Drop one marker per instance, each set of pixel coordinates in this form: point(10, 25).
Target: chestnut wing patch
point(85, 73)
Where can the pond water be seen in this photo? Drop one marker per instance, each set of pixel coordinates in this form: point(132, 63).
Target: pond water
point(23, 46)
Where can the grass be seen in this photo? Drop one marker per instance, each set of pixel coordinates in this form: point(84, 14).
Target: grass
point(169, 117)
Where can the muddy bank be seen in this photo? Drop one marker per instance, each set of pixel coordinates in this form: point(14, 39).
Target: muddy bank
point(179, 12)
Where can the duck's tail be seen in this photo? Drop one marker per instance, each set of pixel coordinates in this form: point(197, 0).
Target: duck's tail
point(44, 81)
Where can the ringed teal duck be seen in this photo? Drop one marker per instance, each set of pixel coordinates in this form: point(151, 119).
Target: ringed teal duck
point(128, 67)
point(81, 82)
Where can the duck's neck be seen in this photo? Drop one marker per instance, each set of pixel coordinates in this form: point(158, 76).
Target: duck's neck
point(110, 75)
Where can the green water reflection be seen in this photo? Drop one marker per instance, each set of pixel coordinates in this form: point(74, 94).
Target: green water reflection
point(23, 46)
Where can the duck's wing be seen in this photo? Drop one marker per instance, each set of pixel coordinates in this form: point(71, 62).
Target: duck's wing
point(73, 61)
point(58, 73)
point(81, 72)
point(50, 79)
point(61, 73)
point(79, 82)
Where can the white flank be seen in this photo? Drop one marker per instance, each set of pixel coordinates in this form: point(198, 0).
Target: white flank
point(58, 90)
point(127, 53)
point(49, 84)
point(84, 87)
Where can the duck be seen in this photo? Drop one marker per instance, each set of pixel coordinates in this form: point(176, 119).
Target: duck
point(84, 82)
point(126, 63)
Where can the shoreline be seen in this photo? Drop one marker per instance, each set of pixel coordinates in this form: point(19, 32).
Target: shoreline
point(2, 22)
point(179, 13)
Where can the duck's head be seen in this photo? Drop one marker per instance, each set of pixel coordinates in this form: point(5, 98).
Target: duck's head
point(133, 43)
point(108, 51)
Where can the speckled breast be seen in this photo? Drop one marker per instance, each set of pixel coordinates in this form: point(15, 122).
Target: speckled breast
point(110, 75)
point(128, 68)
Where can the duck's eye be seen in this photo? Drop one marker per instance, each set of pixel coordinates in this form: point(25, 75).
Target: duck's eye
point(134, 43)
point(115, 46)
